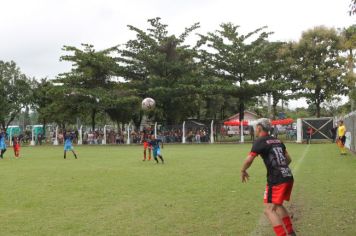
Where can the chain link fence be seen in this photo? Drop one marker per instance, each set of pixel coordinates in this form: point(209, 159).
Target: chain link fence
point(350, 123)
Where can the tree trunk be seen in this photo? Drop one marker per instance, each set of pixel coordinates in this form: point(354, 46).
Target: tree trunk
point(93, 115)
point(274, 109)
point(44, 127)
point(118, 127)
point(317, 104)
point(241, 111)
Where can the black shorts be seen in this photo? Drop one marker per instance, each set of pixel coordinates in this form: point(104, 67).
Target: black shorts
point(343, 139)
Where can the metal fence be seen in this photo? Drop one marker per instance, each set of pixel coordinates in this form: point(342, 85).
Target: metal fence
point(350, 123)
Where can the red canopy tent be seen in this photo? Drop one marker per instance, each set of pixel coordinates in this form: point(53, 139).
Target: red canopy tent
point(236, 123)
point(246, 123)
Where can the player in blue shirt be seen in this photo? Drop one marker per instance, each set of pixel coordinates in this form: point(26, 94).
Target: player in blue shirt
point(2, 143)
point(156, 148)
point(68, 138)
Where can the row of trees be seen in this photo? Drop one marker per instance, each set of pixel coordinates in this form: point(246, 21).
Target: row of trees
point(222, 73)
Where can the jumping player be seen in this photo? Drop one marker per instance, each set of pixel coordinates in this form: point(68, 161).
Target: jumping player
point(279, 177)
point(156, 148)
point(2, 144)
point(146, 146)
point(341, 131)
point(16, 146)
point(68, 138)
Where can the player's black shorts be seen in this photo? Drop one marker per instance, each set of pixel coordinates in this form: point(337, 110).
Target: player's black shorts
point(343, 139)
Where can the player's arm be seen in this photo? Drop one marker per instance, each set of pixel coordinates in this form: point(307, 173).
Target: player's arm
point(248, 162)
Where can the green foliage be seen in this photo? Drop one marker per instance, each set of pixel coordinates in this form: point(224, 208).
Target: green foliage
point(234, 59)
point(15, 92)
point(161, 66)
point(89, 88)
point(319, 66)
point(277, 73)
point(221, 74)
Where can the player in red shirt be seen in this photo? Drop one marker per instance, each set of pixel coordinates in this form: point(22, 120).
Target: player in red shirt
point(146, 147)
point(16, 146)
point(279, 177)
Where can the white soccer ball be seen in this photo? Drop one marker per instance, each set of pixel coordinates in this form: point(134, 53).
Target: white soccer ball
point(148, 103)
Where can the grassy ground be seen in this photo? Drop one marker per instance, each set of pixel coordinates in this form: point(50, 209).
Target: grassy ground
point(110, 191)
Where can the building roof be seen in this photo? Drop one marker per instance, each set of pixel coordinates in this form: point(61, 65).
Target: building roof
point(236, 116)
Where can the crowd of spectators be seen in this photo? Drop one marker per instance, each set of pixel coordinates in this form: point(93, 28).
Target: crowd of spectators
point(89, 137)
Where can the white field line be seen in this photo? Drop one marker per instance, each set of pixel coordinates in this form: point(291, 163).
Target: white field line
point(262, 222)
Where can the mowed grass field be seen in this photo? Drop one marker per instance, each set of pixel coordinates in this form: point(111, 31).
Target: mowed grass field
point(109, 190)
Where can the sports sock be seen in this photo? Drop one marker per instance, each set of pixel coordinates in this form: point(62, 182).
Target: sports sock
point(288, 224)
point(156, 159)
point(279, 230)
point(144, 154)
point(161, 157)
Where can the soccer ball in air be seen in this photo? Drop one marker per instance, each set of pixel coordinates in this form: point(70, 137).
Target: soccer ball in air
point(148, 103)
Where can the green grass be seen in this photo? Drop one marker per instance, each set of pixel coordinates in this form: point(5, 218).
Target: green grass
point(110, 191)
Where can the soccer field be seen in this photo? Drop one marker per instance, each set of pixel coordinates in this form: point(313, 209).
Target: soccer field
point(109, 190)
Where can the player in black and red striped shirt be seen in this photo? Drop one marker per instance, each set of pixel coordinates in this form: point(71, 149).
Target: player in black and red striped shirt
point(279, 177)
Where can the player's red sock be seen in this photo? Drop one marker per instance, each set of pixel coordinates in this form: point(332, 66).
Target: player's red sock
point(144, 155)
point(288, 224)
point(279, 230)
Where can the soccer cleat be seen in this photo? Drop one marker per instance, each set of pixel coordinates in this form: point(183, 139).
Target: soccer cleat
point(292, 234)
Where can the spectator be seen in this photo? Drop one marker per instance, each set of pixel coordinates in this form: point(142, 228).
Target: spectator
point(310, 132)
point(252, 133)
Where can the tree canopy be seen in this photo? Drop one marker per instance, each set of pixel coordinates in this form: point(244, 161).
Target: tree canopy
point(214, 76)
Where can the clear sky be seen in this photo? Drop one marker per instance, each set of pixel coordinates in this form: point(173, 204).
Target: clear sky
point(32, 32)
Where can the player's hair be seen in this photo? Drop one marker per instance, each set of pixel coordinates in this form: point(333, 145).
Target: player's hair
point(265, 124)
point(341, 121)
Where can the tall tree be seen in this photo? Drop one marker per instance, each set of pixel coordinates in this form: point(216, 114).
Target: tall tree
point(90, 81)
point(162, 66)
point(15, 92)
point(348, 36)
point(122, 105)
point(320, 68)
point(236, 60)
point(279, 82)
point(42, 99)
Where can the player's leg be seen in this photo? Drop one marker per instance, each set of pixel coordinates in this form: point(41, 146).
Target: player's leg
point(275, 220)
point(144, 151)
point(65, 154)
point(75, 155)
point(343, 149)
point(2, 152)
point(155, 155)
point(159, 154)
point(284, 215)
point(149, 153)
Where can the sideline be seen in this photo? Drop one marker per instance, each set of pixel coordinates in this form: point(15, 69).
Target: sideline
point(263, 222)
